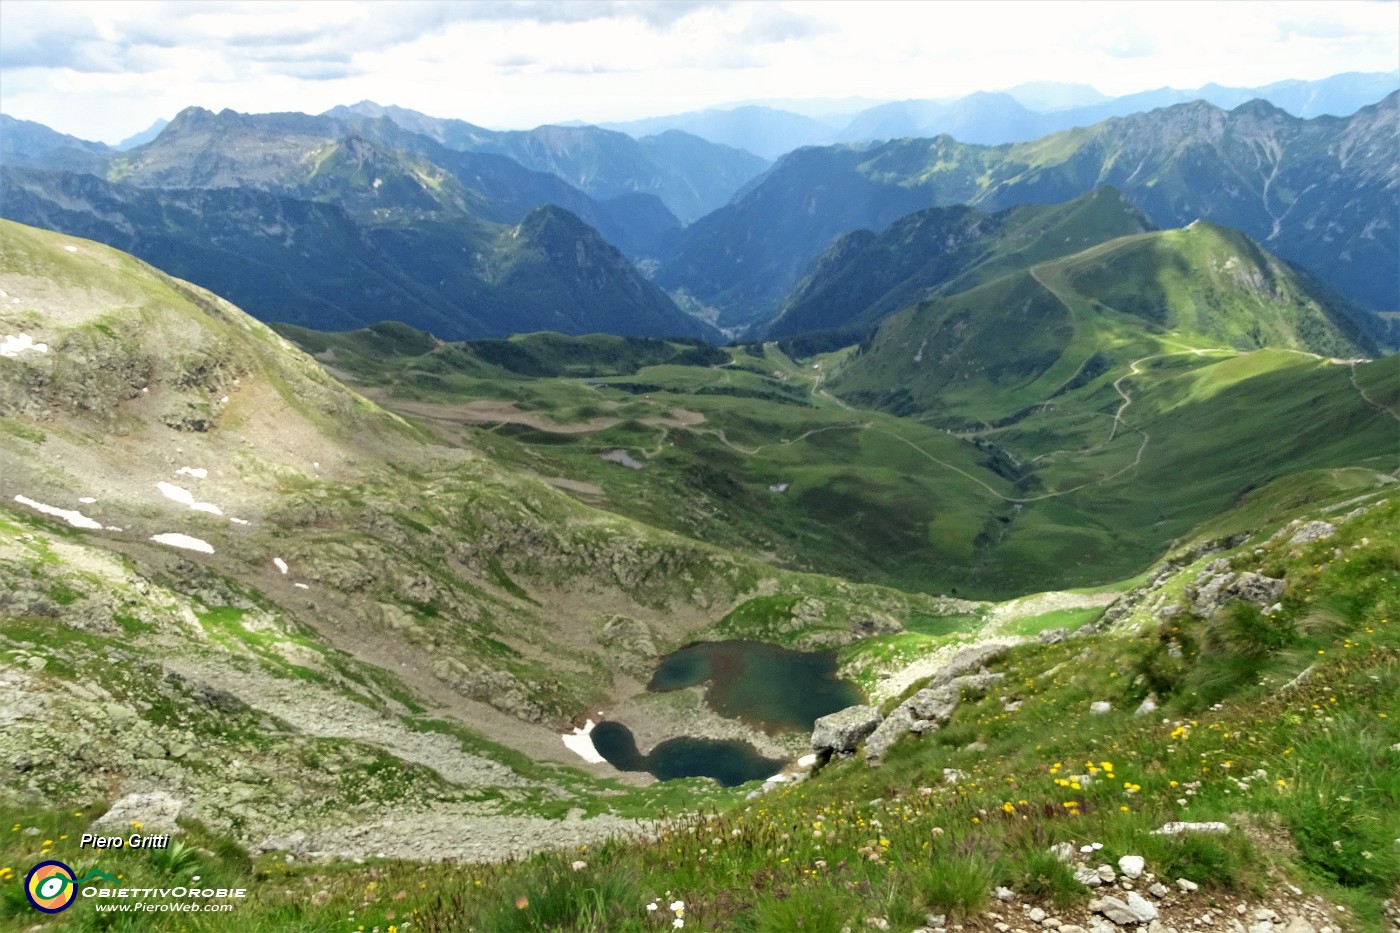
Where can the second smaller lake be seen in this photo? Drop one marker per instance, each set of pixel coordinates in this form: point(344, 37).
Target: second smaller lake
point(766, 686)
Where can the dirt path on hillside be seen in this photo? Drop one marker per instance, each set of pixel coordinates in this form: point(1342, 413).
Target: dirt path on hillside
point(1369, 401)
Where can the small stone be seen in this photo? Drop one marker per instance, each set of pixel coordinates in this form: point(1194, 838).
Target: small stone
point(1188, 886)
point(1087, 877)
point(1159, 890)
point(1100, 707)
point(1051, 923)
point(1106, 874)
point(1261, 926)
point(1132, 865)
point(936, 921)
point(1001, 927)
point(1004, 894)
point(1176, 829)
point(1064, 851)
point(1299, 925)
point(1037, 915)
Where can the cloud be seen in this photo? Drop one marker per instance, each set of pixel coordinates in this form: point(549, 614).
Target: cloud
point(1315, 27)
point(771, 23)
point(1124, 42)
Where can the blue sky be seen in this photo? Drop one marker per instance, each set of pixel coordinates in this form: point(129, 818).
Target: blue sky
point(106, 70)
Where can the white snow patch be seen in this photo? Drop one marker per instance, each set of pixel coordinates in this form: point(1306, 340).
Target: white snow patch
point(185, 497)
point(196, 472)
point(239, 521)
point(580, 744)
point(779, 778)
point(176, 539)
point(113, 528)
point(70, 248)
point(87, 500)
point(806, 761)
point(12, 345)
point(301, 586)
point(280, 564)
point(71, 516)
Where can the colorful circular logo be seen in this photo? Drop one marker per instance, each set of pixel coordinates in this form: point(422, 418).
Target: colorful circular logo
point(51, 887)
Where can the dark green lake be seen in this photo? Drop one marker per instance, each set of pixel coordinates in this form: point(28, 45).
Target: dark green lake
point(765, 686)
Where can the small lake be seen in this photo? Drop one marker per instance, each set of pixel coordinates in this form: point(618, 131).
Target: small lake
point(767, 687)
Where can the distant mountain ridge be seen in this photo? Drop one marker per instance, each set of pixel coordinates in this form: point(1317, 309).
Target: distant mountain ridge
point(345, 265)
point(691, 175)
point(1016, 114)
point(1319, 192)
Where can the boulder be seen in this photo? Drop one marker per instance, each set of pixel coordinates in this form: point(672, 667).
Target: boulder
point(841, 732)
point(925, 711)
point(1211, 591)
point(156, 812)
point(1313, 531)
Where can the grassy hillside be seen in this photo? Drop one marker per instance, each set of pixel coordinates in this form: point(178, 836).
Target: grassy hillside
point(1280, 726)
point(943, 251)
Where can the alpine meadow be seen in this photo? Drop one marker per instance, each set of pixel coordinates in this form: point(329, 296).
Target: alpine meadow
point(488, 467)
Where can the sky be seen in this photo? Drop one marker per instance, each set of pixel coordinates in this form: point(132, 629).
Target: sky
point(107, 70)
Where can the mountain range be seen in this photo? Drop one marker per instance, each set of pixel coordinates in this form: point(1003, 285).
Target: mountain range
point(335, 597)
point(1318, 192)
point(367, 213)
point(1016, 114)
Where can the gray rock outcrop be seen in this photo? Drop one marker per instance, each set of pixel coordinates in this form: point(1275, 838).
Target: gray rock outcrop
point(155, 812)
point(839, 733)
point(1313, 531)
point(1213, 590)
point(924, 712)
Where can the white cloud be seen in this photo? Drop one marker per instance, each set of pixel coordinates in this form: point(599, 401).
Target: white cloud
point(104, 70)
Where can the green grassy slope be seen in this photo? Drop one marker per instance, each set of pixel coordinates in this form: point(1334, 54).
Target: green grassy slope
point(864, 278)
point(1279, 726)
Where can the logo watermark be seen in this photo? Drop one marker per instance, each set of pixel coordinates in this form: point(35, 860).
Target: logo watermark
point(52, 887)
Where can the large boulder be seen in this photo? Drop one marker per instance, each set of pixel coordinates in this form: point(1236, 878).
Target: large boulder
point(1313, 531)
point(839, 733)
point(925, 711)
point(1213, 590)
point(155, 812)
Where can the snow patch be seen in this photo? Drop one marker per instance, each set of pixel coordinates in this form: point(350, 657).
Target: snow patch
point(185, 497)
point(87, 500)
point(581, 744)
point(12, 345)
point(239, 521)
point(196, 472)
point(280, 564)
point(176, 539)
point(301, 586)
point(71, 516)
point(806, 761)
